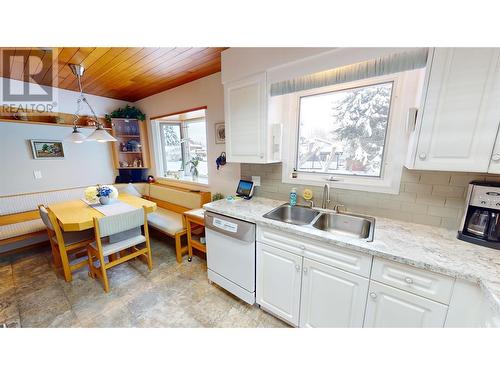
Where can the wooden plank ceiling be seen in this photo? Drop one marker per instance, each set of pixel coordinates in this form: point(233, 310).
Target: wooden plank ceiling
point(121, 73)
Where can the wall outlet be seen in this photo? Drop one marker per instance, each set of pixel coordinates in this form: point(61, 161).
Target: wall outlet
point(37, 174)
point(256, 180)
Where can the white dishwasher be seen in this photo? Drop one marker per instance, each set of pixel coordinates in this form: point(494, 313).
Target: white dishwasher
point(231, 254)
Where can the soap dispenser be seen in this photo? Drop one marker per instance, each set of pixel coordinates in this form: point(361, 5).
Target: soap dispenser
point(293, 197)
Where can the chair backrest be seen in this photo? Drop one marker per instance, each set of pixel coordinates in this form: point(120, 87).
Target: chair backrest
point(113, 224)
point(44, 214)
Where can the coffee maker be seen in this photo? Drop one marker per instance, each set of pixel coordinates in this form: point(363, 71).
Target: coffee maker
point(481, 221)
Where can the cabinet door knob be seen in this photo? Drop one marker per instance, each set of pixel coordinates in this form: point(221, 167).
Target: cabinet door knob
point(261, 156)
point(302, 247)
point(495, 157)
point(305, 270)
point(297, 267)
point(373, 295)
point(409, 280)
point(422, 156)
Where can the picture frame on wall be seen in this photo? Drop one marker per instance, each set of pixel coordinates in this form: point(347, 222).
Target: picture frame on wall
point(220, 133)
point(47, 149)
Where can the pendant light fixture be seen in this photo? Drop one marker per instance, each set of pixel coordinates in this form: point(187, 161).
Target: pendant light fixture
point(75, 136)
point(99, 134)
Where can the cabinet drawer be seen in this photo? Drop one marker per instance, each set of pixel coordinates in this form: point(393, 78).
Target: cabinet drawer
point(336, 256)
point(423, 283)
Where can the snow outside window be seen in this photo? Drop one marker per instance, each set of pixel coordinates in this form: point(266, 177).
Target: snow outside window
point(344, 132)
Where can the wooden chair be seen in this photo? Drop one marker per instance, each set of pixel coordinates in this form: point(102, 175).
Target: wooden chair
point(66, 245)
point(113, 235)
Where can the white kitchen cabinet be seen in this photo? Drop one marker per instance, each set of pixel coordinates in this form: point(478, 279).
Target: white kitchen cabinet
point(278, 286)
point(388, 307)
point(331, 297)
point(494, 166)
point(249, 136)
point(458, 122)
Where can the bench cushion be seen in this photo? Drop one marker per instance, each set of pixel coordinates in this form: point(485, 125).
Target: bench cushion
point(18, 229)
point(30, 202)
point(166, 221)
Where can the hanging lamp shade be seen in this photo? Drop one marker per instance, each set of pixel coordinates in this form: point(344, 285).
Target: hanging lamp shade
point(100, 135)
point(76, 136)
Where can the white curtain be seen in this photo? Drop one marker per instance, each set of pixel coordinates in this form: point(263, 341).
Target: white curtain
point(394, 63)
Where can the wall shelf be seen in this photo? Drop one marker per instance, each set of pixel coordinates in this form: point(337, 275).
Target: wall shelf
point(134, 131)
point(50, 119)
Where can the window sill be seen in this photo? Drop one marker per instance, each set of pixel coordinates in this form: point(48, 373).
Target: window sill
point(388, 185)
point(201, 183)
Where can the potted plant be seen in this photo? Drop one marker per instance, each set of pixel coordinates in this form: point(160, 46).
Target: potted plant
point(193, 167)
point(217, 197)
point(127, 112)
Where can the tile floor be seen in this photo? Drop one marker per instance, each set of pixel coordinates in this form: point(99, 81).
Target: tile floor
point(171, 295)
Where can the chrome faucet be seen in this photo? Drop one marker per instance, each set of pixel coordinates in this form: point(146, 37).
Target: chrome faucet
point(326, 196)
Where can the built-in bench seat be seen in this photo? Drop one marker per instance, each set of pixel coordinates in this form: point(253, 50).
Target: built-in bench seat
point(21, 226)
point(11, 231)
point(172, 202)
point(20, 223)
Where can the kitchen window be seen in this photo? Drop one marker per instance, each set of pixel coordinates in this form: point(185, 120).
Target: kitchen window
point(344, 132)
point(352, 135)
point(183, 147)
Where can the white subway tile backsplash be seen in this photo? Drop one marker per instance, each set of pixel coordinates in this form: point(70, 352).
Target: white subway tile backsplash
point(426, 219)
point(448, 191)
point(412, 187)
point(449, 212)
point(414, 208)
point(432, 198)
point(435, 178)
point(454, 202)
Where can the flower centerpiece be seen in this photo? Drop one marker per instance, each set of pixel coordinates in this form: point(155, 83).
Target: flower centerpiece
point(101, 193)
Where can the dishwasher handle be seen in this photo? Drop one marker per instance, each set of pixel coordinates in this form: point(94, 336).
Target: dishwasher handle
point(238, 229)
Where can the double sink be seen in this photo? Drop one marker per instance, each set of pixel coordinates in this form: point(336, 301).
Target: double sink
point(352, 225)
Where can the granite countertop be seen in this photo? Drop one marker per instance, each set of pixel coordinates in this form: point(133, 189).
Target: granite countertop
point(431, 248)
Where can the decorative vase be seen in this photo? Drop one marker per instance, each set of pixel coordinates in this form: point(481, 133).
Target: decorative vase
point(104, 200)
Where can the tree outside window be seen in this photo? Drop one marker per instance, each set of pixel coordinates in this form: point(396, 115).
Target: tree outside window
point(344, 132)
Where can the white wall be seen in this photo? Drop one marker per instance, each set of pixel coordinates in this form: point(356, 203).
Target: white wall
point(84, 164)
point(207, 91)
point(240, 62)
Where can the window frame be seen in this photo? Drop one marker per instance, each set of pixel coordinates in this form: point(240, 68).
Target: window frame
point(394, 151)
point(335, 90)
point(185, 133)
point(160, 159)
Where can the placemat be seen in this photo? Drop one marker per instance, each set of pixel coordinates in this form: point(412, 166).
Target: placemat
point(114, 208)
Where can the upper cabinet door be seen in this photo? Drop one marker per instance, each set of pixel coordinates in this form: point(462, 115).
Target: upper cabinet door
point(331, 298)
point(461, 114)
point(245, 103)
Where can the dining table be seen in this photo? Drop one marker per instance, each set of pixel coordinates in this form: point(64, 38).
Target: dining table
point(77, 215)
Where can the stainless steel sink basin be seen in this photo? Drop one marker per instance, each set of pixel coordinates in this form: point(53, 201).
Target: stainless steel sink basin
point(356, 226)
point(297, 215)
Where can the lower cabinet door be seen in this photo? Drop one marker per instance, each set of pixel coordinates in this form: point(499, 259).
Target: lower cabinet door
point(391, 307)
point(278, 282)
point(331, 297)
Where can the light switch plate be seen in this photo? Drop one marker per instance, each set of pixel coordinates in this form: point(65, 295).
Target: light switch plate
point(37, 174)
point(256, 180)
